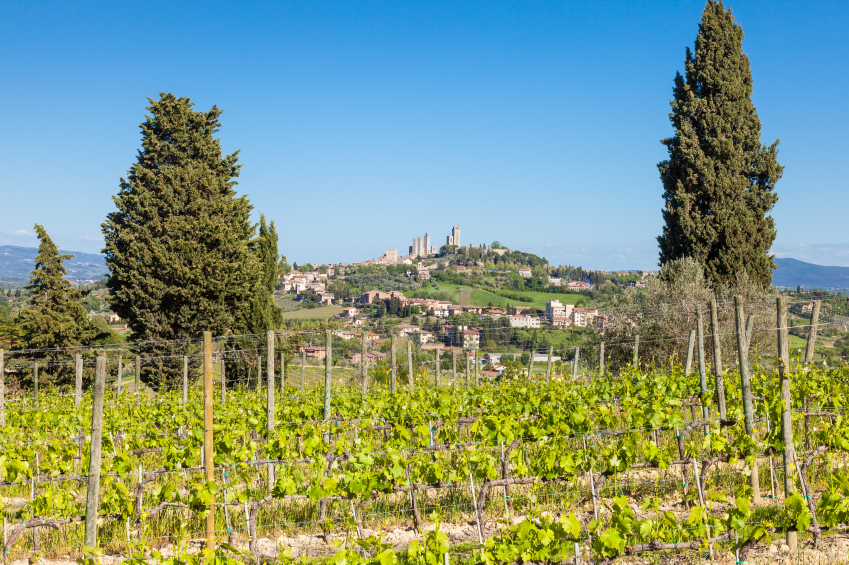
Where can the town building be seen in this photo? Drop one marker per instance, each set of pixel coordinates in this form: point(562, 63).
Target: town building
point(555, 309)
point(524, 321)
point(525, 273)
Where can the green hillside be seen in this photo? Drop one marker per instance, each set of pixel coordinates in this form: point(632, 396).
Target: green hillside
point(467, 296)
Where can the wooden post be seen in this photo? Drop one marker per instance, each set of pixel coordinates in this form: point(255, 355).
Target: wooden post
point(466, 374)
point(436, 370)
point(700, 331)
point(282, 374)
point(185, 380)
point(746, 387)
point(138, 379)
point(3, 394)
point(812, 332)
point(269, 405)
point(207, 435)
point(477, 363)
point(454, 368)
point(258, 372)
point(410, 363)
point(601, 359)
point(636, 351)
point(393, 362)
point(690, 346)
point(531, 364)
point(575, 362)
point(364, 363)
point(120, 373)
point(303, 368)
point(328, 371)
point(789, 454)
point(35, 384)
point(223, 379)
point(93, 491)
point(78, 379)
point(269, 397)
point(548, 366)
point(717, 360)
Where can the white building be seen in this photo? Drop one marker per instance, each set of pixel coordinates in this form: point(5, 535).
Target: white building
point(524, 321)
point(554, 309)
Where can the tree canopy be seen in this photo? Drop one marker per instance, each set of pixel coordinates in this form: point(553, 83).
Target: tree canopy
point(718, 180)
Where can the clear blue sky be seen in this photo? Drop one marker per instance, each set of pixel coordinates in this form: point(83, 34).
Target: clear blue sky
point(365, 124)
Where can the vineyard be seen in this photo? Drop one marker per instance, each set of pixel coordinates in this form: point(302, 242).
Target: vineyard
point(413, 460)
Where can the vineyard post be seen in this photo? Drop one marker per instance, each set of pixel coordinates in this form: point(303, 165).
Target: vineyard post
point(364, 363)
point(35, 383)
point(453, 369)
point(120, 372)
point(207, 434)
point(436, 370)
point(636, 350)
point(746, 387)
point(786, 422)
point(92, 494)
point(282, 373)
point(691, 343)
point(717, 360)
point(303, 368)
point(269, 400)
point(575, 362)
point(475, 352)
point(531, 363)
point(258, 372)
point(466, 374)
point(601, 359)
point(812, 332)
point(185, 380)
point(548, 366)
point(328, 371)
point(78, 379)
point(223, 370)
point(393, 360)
point(3, 393)
point(138, 379)
point(700, 331)
point(410, 363)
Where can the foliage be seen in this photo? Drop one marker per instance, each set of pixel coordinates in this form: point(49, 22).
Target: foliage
point(718, 180)
point(178, 245)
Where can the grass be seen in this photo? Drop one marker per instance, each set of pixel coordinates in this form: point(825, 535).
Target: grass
point(467, 296)
point(320, 313)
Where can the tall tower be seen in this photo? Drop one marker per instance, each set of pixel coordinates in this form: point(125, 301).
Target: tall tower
point(455, 235)
point(426, 249)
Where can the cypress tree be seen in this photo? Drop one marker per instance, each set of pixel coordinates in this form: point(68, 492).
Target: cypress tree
point(56, 317)
point(718, 180)
point(178, 245)
point(261, 313)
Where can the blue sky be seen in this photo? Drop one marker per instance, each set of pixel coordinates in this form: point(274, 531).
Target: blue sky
point(364, 124)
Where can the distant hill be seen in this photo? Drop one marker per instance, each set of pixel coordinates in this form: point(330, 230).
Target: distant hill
point(792, 273)
point(17, 262)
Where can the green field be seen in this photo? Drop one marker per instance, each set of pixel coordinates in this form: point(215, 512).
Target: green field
point(321, 312)
point(467, 296)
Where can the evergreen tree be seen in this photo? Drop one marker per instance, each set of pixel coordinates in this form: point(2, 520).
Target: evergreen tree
point(261, 313)
point(178, 245)
point(719, 180)
point(56, 317)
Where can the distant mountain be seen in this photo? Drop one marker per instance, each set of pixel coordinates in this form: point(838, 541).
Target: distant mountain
point(792, 273)
point(17, 262)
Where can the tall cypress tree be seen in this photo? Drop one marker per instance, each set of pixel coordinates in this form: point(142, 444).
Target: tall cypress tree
point(56, 317)
point(178, 244)
point(262, 314)
point(719, 180)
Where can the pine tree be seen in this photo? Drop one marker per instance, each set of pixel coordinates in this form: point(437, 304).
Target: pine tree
point(719, 180)
point(178, 244)
point(56, 317)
